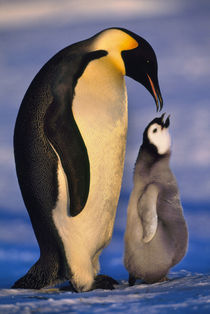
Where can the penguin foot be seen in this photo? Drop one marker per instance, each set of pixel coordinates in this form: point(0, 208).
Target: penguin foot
point(164, 279)
point(70, 288)
point(104, 282)
point(131, 280)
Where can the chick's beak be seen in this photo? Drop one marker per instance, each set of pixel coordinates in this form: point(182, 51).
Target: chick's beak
point(167, 122)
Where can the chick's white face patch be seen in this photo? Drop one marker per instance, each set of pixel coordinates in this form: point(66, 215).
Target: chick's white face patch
point(159, 137)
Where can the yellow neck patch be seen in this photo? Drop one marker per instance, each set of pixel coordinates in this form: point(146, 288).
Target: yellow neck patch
point(115, 41)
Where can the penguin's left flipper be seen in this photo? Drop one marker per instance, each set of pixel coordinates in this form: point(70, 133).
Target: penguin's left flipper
point(68, 144)
point(62, 131)
point(104, 282)
point(66, 140)
point(148, 213)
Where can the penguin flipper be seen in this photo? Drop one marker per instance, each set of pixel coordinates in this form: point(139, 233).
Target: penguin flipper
point(62, 131)
point(148, 212)
point(66, 140)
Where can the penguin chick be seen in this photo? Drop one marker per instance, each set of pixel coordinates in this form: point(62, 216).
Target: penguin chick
point(156, 234)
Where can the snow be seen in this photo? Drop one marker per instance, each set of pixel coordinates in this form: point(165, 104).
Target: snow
point(183, 293)
point(33, 31)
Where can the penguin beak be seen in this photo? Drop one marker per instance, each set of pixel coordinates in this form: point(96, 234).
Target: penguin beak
point(162, 118)
point(155, 91)
point(166, 123)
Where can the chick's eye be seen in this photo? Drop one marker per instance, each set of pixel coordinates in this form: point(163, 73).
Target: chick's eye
point(155, 130)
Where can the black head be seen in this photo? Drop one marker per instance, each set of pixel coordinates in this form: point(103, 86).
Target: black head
point(140, 62)
point(156, 137)
point(141, 65)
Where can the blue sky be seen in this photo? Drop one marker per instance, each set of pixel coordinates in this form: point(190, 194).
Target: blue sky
point(31, 32)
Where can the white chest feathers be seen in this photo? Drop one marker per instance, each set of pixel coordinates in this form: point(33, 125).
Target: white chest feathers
point(100, 111)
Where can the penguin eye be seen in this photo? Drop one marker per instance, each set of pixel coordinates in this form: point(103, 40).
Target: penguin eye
point(155, 130)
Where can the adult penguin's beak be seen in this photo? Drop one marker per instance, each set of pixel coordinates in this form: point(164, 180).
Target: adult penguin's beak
point(155, 91)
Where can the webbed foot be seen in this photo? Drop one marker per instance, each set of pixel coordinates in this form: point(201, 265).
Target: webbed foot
point(69, 287)
point(104, 282)
point(131, 280)
point(164, 279)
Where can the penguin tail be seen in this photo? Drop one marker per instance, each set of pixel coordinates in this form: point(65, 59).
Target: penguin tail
point(39, 276)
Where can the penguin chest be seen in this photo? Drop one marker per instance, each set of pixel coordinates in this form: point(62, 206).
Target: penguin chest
point(100, 111)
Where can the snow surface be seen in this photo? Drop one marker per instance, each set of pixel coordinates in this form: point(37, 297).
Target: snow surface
point(183, 293)
point(33, 31)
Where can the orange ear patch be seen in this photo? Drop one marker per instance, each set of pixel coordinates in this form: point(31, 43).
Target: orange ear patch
point(114, 40)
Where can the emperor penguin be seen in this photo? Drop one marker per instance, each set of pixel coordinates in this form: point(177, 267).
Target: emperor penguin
point(156, 235)
point(69, 146)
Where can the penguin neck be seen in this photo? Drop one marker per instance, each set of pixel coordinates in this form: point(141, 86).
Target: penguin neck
point(100, 95)
point(149, 159)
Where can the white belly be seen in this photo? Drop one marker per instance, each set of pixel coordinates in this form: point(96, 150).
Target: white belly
point(100, 111)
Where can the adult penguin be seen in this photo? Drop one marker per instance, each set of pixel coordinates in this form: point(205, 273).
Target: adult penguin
point(69, 145)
